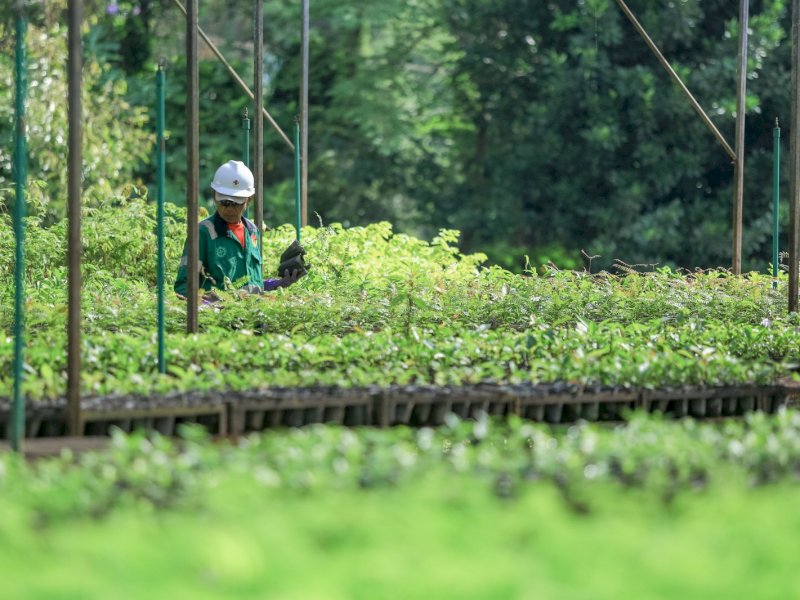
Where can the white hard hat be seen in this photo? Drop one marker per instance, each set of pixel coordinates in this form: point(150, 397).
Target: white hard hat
point(234, 179)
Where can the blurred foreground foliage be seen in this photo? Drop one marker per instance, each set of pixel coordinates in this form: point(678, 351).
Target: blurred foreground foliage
point(501, 508)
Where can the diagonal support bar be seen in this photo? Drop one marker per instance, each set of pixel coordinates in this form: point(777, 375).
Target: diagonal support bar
point(699, 109)
point(240, 82)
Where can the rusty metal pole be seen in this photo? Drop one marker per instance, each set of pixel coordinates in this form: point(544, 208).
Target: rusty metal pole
point(304, 113)
point(192, 165)
point(738, 165)
point(258, 93)
point(794, 162)
point(75, 169)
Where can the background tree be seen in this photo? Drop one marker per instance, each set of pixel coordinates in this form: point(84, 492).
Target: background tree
point(116, 134)
point(537, 129)
point(581, 140)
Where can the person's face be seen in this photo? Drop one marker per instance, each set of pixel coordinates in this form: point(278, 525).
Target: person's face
point(231, 213)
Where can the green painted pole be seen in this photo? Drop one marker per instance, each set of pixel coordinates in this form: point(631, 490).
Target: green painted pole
point(246, 139)
point(161, 168)
point(246, 147)
point(20, 176)
point(776, 198)
point(297, 183)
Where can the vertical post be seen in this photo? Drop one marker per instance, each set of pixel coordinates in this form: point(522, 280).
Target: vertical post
point(258, 99)
point(304, 112)
point(776, 199)
point(297, 180)
point(738, 168)
point(161, 154)
point(246, 138)
point(193, 165)
point(794, 161)
point(17, 429)
point(246, 148)
point(75, 168)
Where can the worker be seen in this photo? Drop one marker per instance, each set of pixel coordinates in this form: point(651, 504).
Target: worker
point(229, 252)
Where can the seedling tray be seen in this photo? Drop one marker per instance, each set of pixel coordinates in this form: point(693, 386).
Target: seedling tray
point(228, 412)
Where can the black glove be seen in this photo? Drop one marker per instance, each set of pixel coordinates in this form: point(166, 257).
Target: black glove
point(295, 263)
point(293, 250)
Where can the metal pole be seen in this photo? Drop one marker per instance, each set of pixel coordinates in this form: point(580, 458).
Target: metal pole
point(161, 177)
point(17, 429)
point(794, 161)
point(738, 165)
point(193, 165)
point(676, 79)
point(246, 138)
point(246, 148)
point(75, 168)
point(258, 89)
point(304, 112)
point(297, 180)
point(238, 79)
point(776, 198)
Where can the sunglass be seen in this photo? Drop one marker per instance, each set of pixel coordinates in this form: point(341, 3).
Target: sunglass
point(229, 203)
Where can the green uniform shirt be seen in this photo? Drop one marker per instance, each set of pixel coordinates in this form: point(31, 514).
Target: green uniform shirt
point(223, 261)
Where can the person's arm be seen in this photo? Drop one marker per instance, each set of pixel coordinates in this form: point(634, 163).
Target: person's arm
point(285, 281)
point(181, 281)
point(271, 284)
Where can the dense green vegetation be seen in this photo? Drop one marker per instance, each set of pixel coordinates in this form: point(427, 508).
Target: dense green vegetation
point(537, 129)
point(471, 510)
point(385, 308)
point(534, 128)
